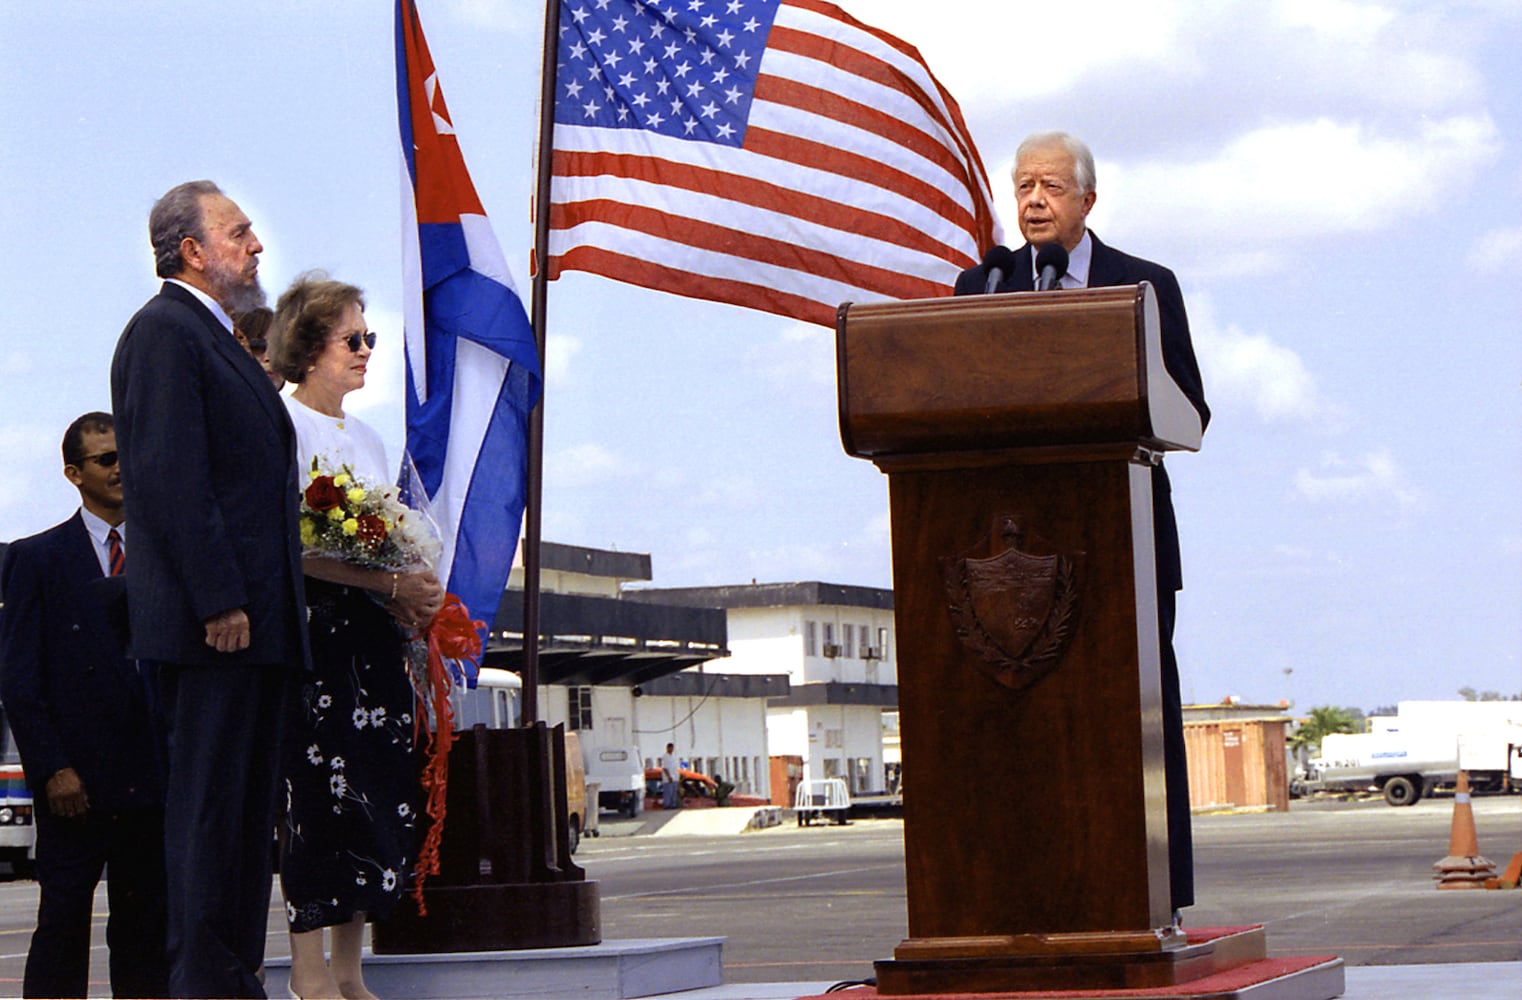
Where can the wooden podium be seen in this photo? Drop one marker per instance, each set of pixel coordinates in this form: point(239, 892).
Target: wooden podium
point(1017, 432)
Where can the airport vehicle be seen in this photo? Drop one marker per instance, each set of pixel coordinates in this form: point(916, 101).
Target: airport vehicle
point(18, 835)
point(822, 799)
point(619, 773)
point(1422, 748)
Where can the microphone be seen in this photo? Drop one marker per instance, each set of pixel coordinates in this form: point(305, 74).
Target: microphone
point(998, 262)
point(1051, 265)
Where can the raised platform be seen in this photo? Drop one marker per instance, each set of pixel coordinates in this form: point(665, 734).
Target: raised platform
point(1310, 978)
point(613, 970)
point(1224, 962)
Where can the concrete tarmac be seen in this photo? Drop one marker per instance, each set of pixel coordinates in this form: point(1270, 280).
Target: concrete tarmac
point(802, 908)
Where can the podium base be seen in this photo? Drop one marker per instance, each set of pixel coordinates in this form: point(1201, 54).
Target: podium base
point(493, 918)
point(1033, 965)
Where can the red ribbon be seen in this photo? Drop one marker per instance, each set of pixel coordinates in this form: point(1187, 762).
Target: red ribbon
point(453, 635)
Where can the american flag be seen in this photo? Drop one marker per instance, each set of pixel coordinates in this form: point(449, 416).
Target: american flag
point(776, 154)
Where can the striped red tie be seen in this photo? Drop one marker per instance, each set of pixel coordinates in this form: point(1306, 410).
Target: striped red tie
point(115, 554)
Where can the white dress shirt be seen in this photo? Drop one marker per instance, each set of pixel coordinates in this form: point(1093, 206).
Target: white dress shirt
point(98, 529)
point(1077, 275)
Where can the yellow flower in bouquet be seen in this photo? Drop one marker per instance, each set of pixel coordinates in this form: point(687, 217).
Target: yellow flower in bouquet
point(366, 524)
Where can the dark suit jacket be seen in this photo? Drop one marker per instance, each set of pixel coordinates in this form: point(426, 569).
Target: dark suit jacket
point(1109, 267)
point(72, 698)
point(209, 477)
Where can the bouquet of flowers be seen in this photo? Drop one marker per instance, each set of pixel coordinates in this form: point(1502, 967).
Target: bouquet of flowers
point(366, 524)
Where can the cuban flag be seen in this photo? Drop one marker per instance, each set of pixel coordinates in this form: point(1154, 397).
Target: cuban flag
point(471, 358)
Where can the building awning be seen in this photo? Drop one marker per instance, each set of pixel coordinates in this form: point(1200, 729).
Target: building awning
point(589, 640)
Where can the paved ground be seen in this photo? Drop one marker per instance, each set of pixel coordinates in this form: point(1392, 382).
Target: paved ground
point(803, 908)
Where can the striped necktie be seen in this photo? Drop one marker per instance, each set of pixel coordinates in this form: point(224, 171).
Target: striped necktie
point(115, 554)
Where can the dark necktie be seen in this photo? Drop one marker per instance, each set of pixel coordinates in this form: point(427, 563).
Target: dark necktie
point(115, 554)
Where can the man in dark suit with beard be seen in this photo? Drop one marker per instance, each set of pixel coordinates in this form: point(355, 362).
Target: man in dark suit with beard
point(215, 595)
point(1054, 191)
point(89, 744)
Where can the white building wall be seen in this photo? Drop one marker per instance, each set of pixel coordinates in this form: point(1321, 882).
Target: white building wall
point(764, 641)
point(723, 736)
point(835, 741)
point(787, 732)
point(775, 641)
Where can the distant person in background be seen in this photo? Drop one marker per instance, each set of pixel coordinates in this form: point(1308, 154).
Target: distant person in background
point(1054, 191)
point(351, 781)
point(215, 593)
point(252, 330)
point(83, 724)
point(671, 778)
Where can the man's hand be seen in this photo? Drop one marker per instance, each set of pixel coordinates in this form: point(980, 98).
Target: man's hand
point(66, 794)
point(228, 631)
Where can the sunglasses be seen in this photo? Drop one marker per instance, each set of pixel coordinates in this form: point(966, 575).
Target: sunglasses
point(106, 459)
point(353, 341)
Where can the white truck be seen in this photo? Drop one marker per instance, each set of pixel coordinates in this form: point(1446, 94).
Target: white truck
point(620, 776)
point(1423, 747)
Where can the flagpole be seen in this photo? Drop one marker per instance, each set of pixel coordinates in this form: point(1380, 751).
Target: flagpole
point(538, 296)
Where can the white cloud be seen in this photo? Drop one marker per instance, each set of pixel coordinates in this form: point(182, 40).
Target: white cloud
point(559, 350)
point(498, 15)
point(1238, 366)
point(1498, 252)
point(969, 62)
point(801, 353)
point(17, 363)
point(1289, 183)
point(1374, 477)
point(585, 465)
point(33, 493)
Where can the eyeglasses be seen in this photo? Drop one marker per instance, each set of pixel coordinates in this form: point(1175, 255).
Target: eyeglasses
point(106, 459)
point(353, 341)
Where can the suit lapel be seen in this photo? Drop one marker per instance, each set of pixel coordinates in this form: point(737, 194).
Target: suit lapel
point(1104, 265)
point(1020, 280)
point(76, 552)
point(224, 344)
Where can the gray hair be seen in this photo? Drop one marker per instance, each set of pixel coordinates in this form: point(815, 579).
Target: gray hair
point(175, 216)
point(1083, 160)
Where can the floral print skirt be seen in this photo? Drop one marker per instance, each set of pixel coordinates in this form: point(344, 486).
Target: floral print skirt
point(351, 782)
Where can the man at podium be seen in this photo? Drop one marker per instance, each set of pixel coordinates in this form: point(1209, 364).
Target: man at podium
point(1054, 191)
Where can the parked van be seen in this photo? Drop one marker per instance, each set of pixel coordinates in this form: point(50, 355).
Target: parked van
point(18, 835)
point(496, 703)
point(620, 776)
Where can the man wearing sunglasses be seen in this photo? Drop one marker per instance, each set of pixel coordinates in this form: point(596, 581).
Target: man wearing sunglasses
point(80, 713)
point(215, 595)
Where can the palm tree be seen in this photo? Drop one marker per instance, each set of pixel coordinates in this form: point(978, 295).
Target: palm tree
point(1322, 720)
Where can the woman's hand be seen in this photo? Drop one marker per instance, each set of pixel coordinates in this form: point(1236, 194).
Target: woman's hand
point(419, 596)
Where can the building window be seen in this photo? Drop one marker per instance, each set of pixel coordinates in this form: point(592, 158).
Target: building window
point(580, 709)
point(882, 644)
point(830, 649)
point(866, 641)
point(847, 634)
point(810, 639)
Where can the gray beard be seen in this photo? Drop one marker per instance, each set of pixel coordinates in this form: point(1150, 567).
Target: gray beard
point(241, 298)
point(231, 293)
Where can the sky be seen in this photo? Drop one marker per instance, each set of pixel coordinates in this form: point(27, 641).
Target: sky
point(1337, 184)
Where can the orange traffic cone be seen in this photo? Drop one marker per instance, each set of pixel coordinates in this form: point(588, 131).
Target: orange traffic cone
point(1511, 877)
point(1463, 868)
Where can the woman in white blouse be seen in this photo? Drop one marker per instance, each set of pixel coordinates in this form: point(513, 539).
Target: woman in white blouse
point(349, 836)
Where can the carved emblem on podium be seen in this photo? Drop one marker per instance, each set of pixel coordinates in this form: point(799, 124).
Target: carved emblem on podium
point(1016, 610)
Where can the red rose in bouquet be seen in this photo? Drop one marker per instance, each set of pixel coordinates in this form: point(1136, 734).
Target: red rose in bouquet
point(322, 494)
point(372, 529)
